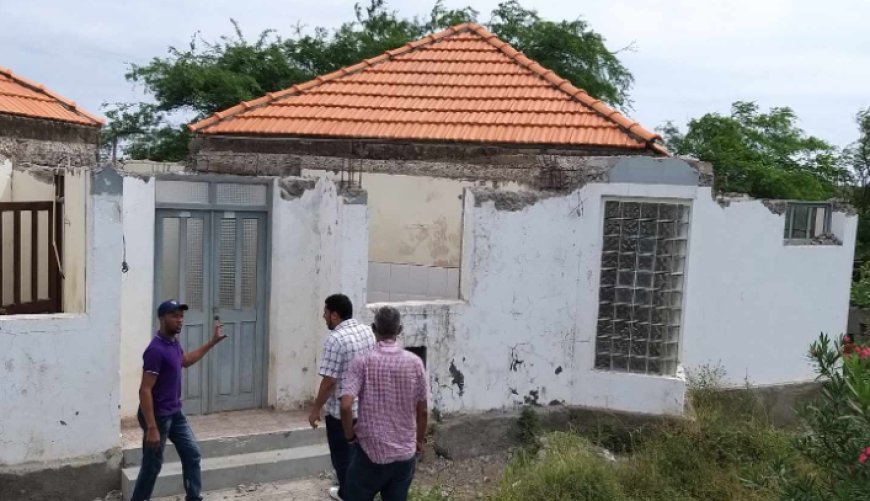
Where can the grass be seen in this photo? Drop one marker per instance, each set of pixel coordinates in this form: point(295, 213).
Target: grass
point(730, 452)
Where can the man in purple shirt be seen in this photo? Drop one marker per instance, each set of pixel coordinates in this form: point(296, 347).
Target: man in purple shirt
point(160, 413)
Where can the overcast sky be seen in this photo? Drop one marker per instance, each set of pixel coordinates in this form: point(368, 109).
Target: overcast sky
point(692, 56)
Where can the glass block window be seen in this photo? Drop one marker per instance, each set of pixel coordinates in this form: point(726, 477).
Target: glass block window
point(643, 261)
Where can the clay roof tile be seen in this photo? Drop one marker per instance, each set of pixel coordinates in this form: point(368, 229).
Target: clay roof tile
point(24, 97)
point(460, 84)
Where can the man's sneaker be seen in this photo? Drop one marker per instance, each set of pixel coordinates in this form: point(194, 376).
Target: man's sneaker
point(333, 493)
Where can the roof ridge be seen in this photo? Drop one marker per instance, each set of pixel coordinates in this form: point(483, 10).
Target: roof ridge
point(564, 85)
point(41, 88)
point(430, 122)
point(406, 108)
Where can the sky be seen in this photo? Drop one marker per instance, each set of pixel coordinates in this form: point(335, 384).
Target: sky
point(690, 57)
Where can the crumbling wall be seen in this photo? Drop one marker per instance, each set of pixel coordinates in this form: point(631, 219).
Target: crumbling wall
point(319, 247)
point(59, 400)
point(755, 302)
point(29, 142)
point(530, 166)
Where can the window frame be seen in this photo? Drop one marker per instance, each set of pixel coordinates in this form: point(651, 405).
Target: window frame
point(789, 220)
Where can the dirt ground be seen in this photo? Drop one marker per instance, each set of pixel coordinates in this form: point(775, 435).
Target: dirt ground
point(465, 480)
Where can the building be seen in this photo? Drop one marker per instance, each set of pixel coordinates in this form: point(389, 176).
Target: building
point(543, 248)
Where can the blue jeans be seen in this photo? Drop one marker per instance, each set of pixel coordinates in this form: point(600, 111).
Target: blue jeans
point(339, 451)
point(366, 478)
point(177, 430)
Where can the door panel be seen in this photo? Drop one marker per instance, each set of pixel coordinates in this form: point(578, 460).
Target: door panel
point(181, 274)
point(239, 270)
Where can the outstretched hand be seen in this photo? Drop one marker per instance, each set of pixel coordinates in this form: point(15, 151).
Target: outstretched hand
point(218, 333)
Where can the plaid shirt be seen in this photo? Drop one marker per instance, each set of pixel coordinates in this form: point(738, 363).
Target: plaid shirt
point(388, 382)
point(347, 340)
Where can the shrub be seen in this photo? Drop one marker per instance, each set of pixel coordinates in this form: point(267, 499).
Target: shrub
point(838, 426)
point(566, 469)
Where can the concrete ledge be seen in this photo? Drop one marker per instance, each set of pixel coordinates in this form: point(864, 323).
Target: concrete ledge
point(780, 401)
point(461, 437)
point(81, 479)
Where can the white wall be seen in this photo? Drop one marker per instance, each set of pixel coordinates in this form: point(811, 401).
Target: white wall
point(530, 282)
point(754, 304)
point(526, 330)
point(60, 392)
point(318, 248)
point(137, 287)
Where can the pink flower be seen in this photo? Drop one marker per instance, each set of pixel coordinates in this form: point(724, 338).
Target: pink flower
point(862, 458)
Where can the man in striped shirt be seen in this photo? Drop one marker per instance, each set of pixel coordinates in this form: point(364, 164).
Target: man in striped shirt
point(347, 340)
point(392, 388)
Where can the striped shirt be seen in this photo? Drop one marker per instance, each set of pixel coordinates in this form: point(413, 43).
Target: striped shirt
point(388, 382)
point(348, 340)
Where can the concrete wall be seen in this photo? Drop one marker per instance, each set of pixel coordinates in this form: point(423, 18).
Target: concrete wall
point(60, 393)
point(524, 328)
point(755, 304)
point(137, 287)
point(525, 332)
point(318, 248)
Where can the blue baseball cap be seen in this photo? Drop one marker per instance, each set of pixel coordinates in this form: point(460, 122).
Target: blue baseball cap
point(170, 306)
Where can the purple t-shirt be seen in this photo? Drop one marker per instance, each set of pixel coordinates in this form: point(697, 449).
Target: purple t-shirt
point(163, 357)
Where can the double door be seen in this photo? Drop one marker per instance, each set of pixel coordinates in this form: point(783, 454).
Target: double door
point(215, 262)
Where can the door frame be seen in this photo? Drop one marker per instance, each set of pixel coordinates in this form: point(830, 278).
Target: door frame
point(215, 209)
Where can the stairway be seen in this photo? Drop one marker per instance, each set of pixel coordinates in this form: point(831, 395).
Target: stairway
point(242, 459)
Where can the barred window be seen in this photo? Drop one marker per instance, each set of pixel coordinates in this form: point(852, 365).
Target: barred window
point(643, 261)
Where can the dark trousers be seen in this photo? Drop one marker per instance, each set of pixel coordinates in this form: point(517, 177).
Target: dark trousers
point(339, 451)
point(176, 429)
point(366, 478)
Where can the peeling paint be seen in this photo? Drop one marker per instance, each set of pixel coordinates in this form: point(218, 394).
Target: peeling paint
point(515, 362)
point(511, 201)
point(294, 188)
point(777, 207)
point(532, 398)
point(458, 378)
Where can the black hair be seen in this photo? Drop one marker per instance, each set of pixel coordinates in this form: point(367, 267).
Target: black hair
point(340, 304)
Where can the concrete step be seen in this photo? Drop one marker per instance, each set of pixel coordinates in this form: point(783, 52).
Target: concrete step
point(244, 444)
point(226, 471)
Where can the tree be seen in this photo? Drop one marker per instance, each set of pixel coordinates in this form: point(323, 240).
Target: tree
point(856, 158)
point(765, 155)
point(206, 77)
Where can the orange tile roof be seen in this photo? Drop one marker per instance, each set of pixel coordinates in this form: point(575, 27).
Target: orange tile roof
point(19, 96)
point(462, 84)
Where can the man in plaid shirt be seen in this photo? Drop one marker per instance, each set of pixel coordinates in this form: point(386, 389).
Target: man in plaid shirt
point(347, 340)
point(392, 388)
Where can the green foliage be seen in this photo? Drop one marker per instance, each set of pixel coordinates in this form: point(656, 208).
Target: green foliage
point(566, 470)
point(838, 427)
point(730, 452)
point(206, 77)
point(861, 287)
point(857, 159)
point(570, 48)
point(765, 155)
point(529, 426)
